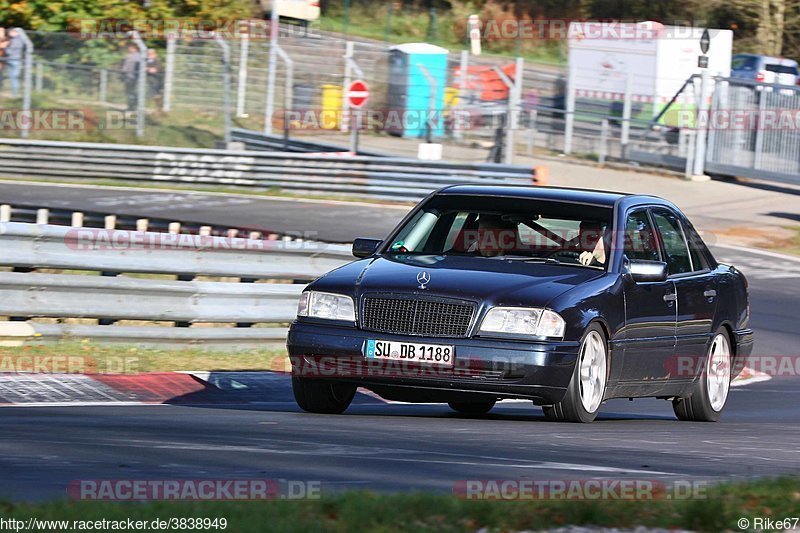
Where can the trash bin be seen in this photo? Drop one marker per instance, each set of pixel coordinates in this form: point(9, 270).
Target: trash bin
point(331, 113)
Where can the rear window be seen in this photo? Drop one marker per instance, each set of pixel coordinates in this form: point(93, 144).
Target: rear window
point(782, 69)
point(743, 63)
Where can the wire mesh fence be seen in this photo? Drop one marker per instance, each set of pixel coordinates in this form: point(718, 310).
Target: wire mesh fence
point(478, 102)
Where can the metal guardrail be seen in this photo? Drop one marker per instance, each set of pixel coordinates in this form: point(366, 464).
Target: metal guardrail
point(60, 247)
point(360, 176)
point(254, 140)
point(185, 300)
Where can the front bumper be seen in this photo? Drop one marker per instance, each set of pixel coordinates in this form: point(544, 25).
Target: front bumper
point(502, 368)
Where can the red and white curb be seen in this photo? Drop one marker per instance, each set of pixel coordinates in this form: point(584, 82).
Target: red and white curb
point(84, 389)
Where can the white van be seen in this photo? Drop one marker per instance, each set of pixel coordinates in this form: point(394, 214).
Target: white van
point(306, 10)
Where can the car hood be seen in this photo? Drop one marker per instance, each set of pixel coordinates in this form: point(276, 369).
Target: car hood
point(490, 280)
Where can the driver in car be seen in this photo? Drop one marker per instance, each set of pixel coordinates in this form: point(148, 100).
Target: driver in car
point(590, 240)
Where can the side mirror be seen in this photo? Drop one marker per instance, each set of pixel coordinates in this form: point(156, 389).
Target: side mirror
point(365, 247)
point(641, 270)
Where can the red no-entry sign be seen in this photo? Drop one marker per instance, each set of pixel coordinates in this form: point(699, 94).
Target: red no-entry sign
point(357, 93)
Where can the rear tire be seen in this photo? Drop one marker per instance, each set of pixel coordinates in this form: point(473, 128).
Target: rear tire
point(472, 408)
point(321, 396)
point(586, 390)
point(710, 393)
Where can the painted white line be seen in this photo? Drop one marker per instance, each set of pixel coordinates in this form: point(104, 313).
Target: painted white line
point(75, 404)
point(757, 251)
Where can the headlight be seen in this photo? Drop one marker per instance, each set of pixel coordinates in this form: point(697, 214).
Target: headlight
point(326, 305)
point(523, 321)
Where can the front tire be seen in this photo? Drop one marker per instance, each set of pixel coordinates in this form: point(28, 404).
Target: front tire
point(321, 396)
point(586, 390)
point(710, 393)
point(472, 408)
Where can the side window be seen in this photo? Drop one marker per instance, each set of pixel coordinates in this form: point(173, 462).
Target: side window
point(640, 242)
point(674, 243)
point(697, 248)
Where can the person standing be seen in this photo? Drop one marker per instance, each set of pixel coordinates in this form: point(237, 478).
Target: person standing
point(13, 57)
point(154, 77)
point(130, 75)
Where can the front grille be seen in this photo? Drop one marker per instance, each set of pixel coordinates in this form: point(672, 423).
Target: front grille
point(407, 316)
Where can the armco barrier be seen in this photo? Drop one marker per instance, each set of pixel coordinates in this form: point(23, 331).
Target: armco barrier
point(357, 176)
point(186, 300)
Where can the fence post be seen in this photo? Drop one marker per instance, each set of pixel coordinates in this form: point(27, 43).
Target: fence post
point(169, 72)
point(626, 113)
point(514, 99)
point(38, 84)
point(103, 85)
point(273, 60)
point(241, 91)
point(569, 117)
point(700, 142)
point(462, 92)
point(288, 66)
point(348, 57)
point(141, 83)
point(226, 86)
point(601, 158)
point(759, 146)
point(26, 91)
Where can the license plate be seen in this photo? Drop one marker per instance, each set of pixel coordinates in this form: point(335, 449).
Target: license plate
point(431, 354)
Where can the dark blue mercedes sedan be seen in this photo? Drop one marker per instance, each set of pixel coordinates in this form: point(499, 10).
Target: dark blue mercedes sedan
point(564, 297)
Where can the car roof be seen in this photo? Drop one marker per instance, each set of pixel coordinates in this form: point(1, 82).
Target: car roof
point(556, 194)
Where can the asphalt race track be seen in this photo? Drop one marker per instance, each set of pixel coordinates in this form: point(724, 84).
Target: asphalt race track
point(310, 219)
point(250, 426)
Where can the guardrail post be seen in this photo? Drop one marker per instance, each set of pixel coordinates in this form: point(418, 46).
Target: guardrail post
point(77, 219)
point(169, 74)
point(5, 213)
point(103, 86)
point(42, 216)
point(27, 87)
point(569, 117)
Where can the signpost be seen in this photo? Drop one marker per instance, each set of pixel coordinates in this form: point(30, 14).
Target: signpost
point(357, 95)
point(698, 172)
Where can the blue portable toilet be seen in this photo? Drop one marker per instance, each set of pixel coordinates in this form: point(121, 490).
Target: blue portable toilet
point(410, 90)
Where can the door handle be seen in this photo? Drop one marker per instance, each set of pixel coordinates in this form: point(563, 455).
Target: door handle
point(671, 297)
point(710, 293)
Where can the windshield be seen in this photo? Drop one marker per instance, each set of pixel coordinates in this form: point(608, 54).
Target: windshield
point(507, 228)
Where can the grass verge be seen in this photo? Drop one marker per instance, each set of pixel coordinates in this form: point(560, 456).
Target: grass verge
point(364, 511)
point(89, 358)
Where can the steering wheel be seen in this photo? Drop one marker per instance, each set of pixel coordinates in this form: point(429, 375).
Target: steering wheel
point(566, 254)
